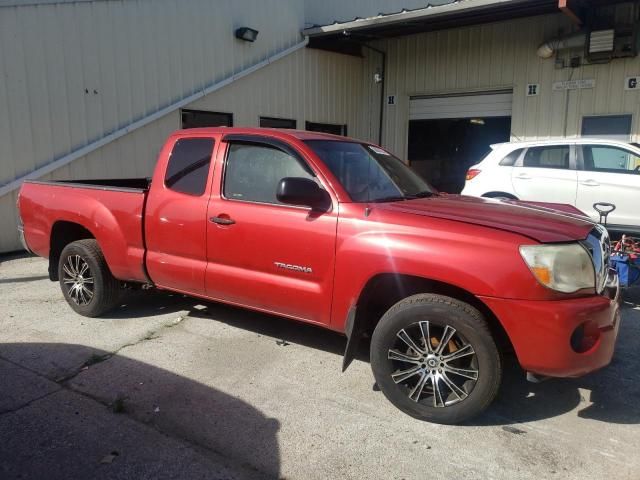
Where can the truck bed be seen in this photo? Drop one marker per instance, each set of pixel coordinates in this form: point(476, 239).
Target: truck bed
point(104, 184)
point(111, 211)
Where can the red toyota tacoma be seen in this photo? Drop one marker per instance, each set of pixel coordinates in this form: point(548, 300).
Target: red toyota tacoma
point(340, 233)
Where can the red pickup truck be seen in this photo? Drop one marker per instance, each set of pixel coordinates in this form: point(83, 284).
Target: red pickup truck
point(340, 233)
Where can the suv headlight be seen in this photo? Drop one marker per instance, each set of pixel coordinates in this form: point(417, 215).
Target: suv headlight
point(565, 268)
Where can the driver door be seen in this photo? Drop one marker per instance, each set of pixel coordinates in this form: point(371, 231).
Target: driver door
point(261, 253)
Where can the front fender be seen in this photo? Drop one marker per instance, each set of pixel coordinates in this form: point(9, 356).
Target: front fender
point(479, 260)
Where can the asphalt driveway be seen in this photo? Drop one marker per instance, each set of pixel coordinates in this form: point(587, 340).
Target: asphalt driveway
point(171, 387)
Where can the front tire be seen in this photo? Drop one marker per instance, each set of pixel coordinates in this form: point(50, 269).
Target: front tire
point(85, 279)
point(435, 359)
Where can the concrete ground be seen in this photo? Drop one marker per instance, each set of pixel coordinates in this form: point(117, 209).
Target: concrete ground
point(170, 387)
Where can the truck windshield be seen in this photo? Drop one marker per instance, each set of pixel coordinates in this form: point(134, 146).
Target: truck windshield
point(368, 173)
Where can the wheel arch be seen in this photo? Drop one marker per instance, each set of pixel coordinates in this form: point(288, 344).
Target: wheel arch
point(384, 290)
point(63, 233)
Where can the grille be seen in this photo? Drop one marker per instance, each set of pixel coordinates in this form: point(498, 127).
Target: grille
point(599, 246)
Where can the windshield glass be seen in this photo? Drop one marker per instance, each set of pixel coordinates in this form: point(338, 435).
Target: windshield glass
point(368, 173)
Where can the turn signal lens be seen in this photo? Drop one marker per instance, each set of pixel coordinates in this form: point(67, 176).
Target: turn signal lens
point(543, 274)
point(472, 173)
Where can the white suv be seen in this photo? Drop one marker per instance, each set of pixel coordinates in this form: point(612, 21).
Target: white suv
point(578, 172)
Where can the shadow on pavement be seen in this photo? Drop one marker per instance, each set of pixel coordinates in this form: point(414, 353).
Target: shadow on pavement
point(58, 430)
point(34, 278)
point(610, 394)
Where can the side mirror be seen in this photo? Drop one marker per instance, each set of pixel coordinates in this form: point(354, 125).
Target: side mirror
point(303, 192)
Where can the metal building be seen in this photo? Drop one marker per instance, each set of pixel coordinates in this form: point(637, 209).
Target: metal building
point(90, 88)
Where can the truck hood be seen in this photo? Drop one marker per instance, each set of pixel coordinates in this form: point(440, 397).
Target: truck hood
point(539, 223)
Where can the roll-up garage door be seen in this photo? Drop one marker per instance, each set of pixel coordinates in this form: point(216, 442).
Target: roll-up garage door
point(490, 104)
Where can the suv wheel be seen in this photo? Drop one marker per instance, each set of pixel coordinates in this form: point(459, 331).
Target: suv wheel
point(435, 359)
point(86, 281)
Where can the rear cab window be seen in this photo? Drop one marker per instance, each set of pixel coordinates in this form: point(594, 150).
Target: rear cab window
point(188, 166)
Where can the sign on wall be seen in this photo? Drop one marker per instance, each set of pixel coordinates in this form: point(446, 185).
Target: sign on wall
point(533, 89)
point(391, 100)
point(632, 83)
point(574, 84)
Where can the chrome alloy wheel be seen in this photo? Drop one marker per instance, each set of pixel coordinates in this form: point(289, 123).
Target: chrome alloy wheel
point(436, 364)
point(78, 280)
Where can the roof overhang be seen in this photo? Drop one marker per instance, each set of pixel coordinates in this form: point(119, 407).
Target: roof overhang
point(456, 13)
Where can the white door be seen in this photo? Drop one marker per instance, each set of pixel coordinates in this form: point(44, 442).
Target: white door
point(612, 175)
point(546, 174)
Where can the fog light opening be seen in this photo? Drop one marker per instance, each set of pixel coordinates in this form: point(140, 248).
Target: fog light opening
point(585, 337)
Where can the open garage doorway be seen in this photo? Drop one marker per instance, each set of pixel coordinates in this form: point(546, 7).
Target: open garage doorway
point(448, 134)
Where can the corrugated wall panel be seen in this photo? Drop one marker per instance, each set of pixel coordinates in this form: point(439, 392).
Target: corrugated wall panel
point(503, 56)
point(73, 72)
point(308, 85)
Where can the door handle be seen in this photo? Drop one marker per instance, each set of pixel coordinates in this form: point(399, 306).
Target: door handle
point(222, 220)
point(590, 183)
point(523, 176)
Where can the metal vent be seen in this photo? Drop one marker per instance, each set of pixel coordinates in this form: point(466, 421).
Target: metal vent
point(601, 41)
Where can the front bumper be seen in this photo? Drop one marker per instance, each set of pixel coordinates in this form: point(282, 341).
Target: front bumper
point(541, 331)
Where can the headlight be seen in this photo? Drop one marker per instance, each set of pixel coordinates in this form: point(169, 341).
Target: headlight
point(565, 268)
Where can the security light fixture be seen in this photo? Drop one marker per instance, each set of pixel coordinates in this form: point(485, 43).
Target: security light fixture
point(247, 34)
point(476, 121)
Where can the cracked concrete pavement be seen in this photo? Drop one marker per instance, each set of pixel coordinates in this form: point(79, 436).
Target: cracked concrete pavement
point(171, 387)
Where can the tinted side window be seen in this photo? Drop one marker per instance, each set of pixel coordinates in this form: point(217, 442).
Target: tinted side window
point(253, 172)
point(609, 159)
point(510, 159)
point(189, 165)
point(547, 157)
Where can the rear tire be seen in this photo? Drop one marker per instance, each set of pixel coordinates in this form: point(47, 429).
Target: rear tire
point(85, 279)
point(431, 381)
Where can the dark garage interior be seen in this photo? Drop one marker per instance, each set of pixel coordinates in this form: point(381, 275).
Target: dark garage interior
point(441, 150)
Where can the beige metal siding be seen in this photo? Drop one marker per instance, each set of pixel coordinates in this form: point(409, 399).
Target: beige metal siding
point(503, 56)
point(306, 85)
point(73, 72)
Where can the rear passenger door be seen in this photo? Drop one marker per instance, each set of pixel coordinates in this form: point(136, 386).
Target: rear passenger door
point(610, 174)
point(176, 209)
point(546, 174)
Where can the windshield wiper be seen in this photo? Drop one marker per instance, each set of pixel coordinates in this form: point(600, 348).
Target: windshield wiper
point(424, 194)
point(391, 198)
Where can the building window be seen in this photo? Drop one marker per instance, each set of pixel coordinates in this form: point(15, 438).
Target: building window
point(611, 127)
point(271, 122)
point(188, 166)
point(253, 172)
point(333, 128)
point(200, 118)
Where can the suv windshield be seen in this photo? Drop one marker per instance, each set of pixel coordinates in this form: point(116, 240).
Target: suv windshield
point(368, 173)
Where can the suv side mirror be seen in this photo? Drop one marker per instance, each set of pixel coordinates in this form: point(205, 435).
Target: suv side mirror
point(303, 192)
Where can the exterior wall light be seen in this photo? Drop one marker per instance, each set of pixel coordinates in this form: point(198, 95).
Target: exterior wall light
point(247, 34)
